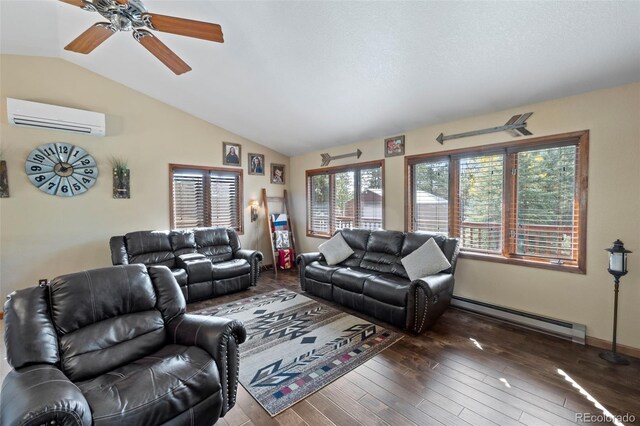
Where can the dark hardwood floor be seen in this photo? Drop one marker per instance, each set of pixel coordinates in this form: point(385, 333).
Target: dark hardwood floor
point(466, 370)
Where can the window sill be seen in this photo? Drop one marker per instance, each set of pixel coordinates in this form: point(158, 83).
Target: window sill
point(322, 236)
point(575, 269)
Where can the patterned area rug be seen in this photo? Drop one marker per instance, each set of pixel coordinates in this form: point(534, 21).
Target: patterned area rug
point(295, 346)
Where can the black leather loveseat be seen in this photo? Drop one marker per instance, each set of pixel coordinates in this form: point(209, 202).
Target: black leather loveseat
point(373, 281)
point(206, 262)
point(113, 346)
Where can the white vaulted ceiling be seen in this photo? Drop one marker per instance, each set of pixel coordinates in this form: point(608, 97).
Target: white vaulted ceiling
point(300, 76)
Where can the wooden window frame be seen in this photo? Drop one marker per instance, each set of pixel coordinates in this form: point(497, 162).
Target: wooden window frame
point(207, 192)
point(332, 171)
point(578, 138)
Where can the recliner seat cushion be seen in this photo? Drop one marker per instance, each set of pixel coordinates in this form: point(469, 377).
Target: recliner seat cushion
point(351, 279)
point(320, 271)
point(151, 390)
point(387, 288)
point(230, 269)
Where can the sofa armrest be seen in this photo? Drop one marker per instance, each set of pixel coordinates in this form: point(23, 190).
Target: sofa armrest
point(119, 254)
point(42, 394)
point(254, 257)
point(428, 298)
point(190, 256)
point(302, 261)
point(198, 267)
point(218, 336)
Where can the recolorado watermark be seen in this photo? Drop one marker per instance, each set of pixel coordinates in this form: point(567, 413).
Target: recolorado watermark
point(602, 418)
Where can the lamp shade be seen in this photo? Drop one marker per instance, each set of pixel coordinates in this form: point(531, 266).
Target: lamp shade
point(618, 258)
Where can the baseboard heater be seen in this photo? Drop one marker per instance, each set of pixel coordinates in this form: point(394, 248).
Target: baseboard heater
point(566, 330)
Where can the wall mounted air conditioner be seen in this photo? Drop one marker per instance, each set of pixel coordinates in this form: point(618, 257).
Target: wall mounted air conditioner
point(53, 117)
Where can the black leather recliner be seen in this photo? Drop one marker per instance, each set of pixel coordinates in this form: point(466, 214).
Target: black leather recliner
point(206, 262)
point(373, 281)
point(113, 346)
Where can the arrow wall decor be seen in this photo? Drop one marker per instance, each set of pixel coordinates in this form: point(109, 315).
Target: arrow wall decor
point(516, 126)
point(326, 158)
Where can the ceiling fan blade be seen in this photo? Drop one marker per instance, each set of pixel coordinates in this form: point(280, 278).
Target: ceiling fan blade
point(184, 27)
point(161, 51)
point(92, 38)
point(78, 3)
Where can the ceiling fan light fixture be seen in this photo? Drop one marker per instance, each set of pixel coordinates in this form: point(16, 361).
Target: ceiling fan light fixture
point(121, 22)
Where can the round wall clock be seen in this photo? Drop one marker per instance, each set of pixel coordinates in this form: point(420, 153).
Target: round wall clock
point(61, 169)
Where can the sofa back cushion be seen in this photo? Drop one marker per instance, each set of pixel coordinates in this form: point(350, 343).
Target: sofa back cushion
point(214, 243)
point(357, 239)
point(150, 248)
point(105, 318)
point(383, 253)
point(182, 242)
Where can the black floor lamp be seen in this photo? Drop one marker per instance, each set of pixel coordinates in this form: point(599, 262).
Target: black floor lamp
point(617, 268)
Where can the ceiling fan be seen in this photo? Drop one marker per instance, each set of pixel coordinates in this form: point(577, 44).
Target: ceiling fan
point(131, 15)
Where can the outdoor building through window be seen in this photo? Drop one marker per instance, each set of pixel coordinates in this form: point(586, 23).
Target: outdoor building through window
point(202, 196)
point(345, 197)
point(522, 202)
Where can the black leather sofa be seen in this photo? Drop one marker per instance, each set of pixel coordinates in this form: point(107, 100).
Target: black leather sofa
point(113, 346)
point(373, 281)
point(206, 262)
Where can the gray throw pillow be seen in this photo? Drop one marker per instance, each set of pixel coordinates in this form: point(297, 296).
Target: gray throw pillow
point(427, 259)
point(335, 250)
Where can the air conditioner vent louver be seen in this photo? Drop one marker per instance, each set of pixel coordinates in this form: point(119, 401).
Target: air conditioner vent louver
point(53, 117)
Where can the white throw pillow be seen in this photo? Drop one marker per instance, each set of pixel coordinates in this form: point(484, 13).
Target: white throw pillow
point(428, 259)
point(335, 250)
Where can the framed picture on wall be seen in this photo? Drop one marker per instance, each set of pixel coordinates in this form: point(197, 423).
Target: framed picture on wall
point(394, 146)
point(231, 153)
point(256, 164)
point(277, 173)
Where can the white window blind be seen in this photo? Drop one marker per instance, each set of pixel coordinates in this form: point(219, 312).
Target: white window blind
point(188, 199)
point(430, 198)
point(344, 200)
point(225, 203)
point(547, 215)
point(479, 201)
point(319, 204)
point(369, 207)
point(206, 197)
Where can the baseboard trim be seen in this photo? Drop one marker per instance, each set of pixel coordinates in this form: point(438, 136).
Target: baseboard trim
point(565, 330)
point(605, 344)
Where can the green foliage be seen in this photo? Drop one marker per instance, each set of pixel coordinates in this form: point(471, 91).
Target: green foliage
point(119, 164)
point(546, 185)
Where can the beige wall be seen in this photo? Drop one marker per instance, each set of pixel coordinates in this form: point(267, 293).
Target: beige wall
point(42, 236)
point(613, 118)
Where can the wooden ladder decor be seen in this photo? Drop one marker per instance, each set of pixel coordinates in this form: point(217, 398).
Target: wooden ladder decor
point(284, 202)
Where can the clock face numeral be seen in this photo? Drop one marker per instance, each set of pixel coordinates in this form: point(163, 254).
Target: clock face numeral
point(84, 162)
point(50, 186)
point(61, 169)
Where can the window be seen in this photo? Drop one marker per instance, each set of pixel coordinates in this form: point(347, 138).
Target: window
point(345, 197)
point(521, 202)
point(202, 196)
